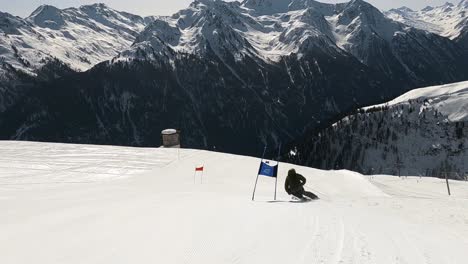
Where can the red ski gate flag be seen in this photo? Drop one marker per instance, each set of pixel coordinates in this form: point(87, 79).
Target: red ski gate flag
point(199, 169)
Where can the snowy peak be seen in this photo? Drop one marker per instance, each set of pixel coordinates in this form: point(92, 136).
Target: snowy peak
point(47, 16)
point(97, 10)
point(402, 10)
point(267, 6)
point(359, 23)
point(405, 9)
point(364, 10)
point(97, 6)
point(426, 9)
point(361, 15)
point(104, 14)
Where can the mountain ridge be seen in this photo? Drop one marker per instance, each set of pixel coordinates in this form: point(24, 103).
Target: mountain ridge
point(448, 20)
point(355, 27)
point(80, 37)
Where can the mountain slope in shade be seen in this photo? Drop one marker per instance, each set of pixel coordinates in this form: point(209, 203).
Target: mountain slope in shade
point(13, 85)
point(80, 37)
point(423, 132)
point(234, 107)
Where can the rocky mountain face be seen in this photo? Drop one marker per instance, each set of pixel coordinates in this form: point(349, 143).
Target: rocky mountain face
point(234, 76)
point(423, 132)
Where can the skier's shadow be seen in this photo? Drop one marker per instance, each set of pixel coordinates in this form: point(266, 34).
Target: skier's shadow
point(294, 201)
point(310, 197)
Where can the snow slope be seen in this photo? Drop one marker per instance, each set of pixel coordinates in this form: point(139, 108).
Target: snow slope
point(96, 204)
point(451, 100)
point(448, 20)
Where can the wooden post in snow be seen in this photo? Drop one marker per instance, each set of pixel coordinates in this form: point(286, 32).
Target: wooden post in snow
point(256, 181)
point(276, 180)
point(447, 181)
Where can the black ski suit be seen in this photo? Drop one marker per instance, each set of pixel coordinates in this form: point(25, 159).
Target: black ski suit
point(294, 185)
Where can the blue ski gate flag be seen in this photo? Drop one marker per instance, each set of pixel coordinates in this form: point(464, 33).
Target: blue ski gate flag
point(266, 169)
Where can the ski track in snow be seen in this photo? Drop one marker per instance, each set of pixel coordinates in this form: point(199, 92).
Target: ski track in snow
point(139, 205)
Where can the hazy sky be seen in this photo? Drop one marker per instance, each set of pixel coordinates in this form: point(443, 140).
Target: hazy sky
point(166, 7)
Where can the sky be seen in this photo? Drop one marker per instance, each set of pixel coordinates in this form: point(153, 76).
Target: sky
point(23, 8)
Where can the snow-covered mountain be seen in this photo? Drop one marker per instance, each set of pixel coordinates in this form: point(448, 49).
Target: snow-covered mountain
point(256, 72)
point(265, 29)
point(270, 30)
point(448, 20)
point(85, 36)
point(103, 204)
point(80, 37)
point(423, 132)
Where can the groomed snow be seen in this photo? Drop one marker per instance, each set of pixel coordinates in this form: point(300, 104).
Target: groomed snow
point(99, 204)
point(451, 99)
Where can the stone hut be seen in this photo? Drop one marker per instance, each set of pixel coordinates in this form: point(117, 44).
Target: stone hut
point(171, 138)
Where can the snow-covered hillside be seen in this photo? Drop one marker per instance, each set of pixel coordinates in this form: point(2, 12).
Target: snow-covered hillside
point(448, 20)
point(450, 100)
point(96, 204)
point(423, 132)
point(80, 37)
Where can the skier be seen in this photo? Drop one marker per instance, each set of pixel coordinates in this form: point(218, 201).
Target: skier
point(294, 185)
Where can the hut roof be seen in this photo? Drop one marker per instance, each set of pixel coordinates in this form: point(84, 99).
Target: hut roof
point(169, 132)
